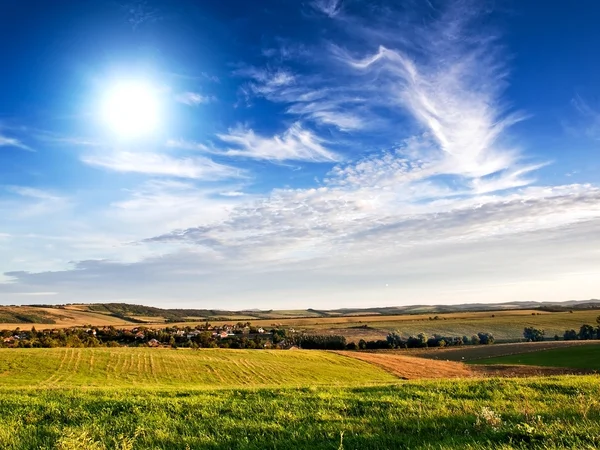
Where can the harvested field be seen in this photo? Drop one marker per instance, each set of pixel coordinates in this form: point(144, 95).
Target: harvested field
point(165, 368)
point(412, 368)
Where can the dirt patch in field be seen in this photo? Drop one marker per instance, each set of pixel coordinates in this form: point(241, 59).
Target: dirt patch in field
point(412, 368)
point(415, 368)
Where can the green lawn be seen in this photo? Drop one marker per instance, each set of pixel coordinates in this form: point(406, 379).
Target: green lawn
point(183, 368)
point(559, 412)
point(579, 357)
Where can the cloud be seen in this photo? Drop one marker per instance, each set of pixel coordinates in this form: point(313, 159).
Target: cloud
point(159, 164)
point(519, 267)
point(139, 13)
point(589, 118)
point(330, 8)
point(309, 97)
point(30, 202)
point(15, 143)
point(34, 193)
point(457, 103)
point(296, 144)
point(194, 98)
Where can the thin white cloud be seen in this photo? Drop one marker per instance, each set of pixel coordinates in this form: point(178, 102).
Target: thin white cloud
point(39, 194)
point(15, 143)
point(330, 8)
point(31, 202)
point(295, 144)
point(588, 122)
point(194, 98)
point(159, 164)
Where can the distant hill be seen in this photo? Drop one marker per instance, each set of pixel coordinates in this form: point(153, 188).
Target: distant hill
point(122, 314)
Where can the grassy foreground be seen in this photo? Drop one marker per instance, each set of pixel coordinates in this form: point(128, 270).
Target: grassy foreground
point(579, 357)
point(561, 412)
point(183, 368)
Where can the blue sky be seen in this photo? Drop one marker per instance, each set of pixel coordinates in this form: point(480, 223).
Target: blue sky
point(327, 153)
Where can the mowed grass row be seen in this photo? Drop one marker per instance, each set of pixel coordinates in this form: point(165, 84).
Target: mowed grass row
point(206, 368)
point(578, 357)
point(560, 412)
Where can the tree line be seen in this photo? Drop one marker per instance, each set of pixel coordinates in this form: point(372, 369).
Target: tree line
point(586, 332)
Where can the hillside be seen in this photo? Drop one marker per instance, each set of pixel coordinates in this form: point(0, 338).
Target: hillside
point(166, 368)
point(129, 314)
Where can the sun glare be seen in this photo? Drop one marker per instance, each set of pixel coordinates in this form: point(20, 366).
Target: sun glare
point(131, 109)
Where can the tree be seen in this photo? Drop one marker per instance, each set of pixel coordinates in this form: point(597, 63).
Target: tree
point(570, 335)
point(485, 338)
point(532, 334)
point(395, 340)
point(587, 332)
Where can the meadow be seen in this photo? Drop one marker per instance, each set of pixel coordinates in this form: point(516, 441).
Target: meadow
point(142, 398)
point(158, 398)
point(166, 368)
point(558, 412)
point(579, 357)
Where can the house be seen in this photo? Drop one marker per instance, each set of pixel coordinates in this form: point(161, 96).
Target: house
point(261, 330)
point(140, 335)
point(153, 343)
point(223, 334)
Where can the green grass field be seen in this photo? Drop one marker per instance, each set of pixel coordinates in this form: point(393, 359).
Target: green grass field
point(136, 398)
point(472, 414)
point(579, 357)
point(160, 368)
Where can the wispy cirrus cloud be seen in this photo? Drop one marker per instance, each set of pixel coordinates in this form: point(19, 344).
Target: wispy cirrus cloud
point(330, 8)
point(295, 144)
point(160, 164)
point(194, 98)
point(30, 192)
point(588, 122)
point(6, 141)
point(25, 202)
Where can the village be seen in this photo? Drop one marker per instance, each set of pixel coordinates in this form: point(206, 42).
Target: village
point(239, 335)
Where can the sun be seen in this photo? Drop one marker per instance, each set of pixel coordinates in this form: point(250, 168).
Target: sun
point(131, 108)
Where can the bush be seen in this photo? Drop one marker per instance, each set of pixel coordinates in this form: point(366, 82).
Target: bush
point(532, 334)
point(570, 335)
point(485, 338)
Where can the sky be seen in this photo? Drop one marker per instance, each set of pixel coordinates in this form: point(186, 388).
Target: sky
point(284, 154)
